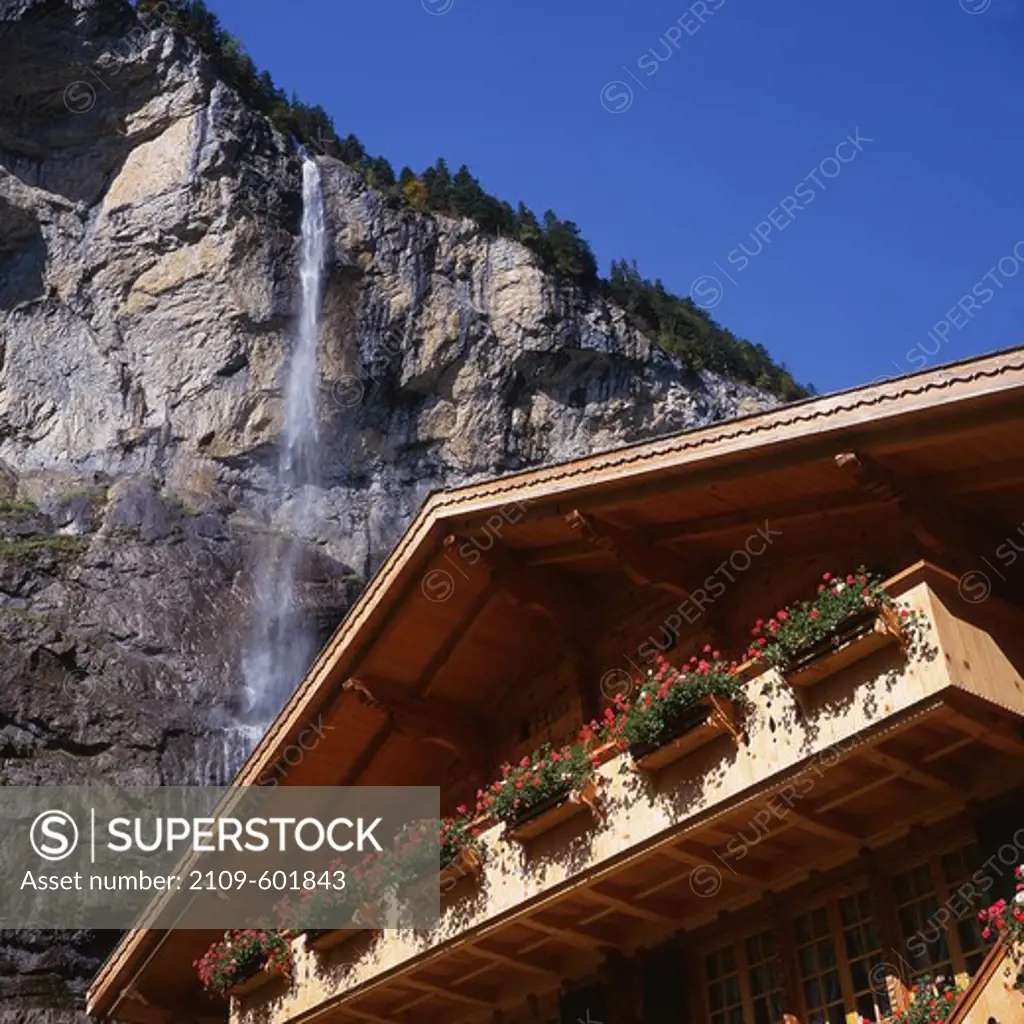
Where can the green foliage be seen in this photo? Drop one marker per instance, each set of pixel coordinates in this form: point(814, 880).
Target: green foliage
point(686, 330)
point(457, 834)
point(795, 630)
point(547, 773)
point(679, 325)
point(241, 954)
point(930, 1002)
point(23, 547)
point(665, 693)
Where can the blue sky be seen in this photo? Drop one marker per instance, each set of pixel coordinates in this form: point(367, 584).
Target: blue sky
point(701, 139)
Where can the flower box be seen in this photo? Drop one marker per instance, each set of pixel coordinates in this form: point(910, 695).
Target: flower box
point(552, 812)
point(466, 863)
point(856, 639)
point(323, 939)
point(692, 728)
point(257, 979)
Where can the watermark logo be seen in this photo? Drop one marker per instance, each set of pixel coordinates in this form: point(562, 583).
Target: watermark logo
point(707, 290)
point(79, 97)
point(975, 6)
point(616, 97)
point(976, 585)
point(54, 835)
point(438, 585)
point(437, 7)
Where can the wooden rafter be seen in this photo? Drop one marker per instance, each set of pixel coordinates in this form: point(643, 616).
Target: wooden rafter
point(832, 825)
point(944, 534)
point(986, 726)
point(629, 907)
point(556, 596)
point(518, 961)
point(447, 992)
point(931, 777)
point(432, 720)
point(427, 678)
point(644, 564)
point(565, 933)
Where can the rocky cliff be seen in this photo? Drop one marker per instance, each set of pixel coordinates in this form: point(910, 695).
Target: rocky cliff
point(148, 246)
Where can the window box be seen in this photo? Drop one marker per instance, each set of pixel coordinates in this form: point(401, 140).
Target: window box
point(856, 639)
point(466, 863)
point(323, 939)
point(552, 812)
point(693, 728)
point(260, 976)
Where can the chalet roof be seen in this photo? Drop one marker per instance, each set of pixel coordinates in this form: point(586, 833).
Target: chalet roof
point(949, 430)
point(462, 608)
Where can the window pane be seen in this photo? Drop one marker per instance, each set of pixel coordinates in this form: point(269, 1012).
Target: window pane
point(830, 982)
point(732, 989)
point(848, 910)
point(812, 992)
point(711, 965)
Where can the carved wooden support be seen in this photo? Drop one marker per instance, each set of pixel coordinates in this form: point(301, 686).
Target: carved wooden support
point(431, 720)
point(648, 566)
point(940, 531)
point(645, 565)
point(557, 597)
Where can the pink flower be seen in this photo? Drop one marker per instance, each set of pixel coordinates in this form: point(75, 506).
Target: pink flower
point(814, 613)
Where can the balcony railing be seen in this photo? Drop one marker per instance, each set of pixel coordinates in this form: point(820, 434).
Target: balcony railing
point(858, 711)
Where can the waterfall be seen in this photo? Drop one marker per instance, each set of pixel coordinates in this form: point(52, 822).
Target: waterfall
point(282, 641)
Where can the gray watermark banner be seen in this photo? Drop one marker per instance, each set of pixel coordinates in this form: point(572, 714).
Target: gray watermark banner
point(205, 857)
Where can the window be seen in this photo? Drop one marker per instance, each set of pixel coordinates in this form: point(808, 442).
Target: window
point(864, 955)
point(935, 947)
point(917, 906)
point(958, 869)
point(819, 969)
point(764, 977)
point(744, 982)
point(724, 997)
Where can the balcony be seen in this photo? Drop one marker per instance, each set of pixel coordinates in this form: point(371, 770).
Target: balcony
point(826, 778)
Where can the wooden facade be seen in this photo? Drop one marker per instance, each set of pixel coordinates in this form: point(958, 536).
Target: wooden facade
point(804, 866)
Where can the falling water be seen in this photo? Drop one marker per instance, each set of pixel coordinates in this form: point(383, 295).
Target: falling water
point(282, 641)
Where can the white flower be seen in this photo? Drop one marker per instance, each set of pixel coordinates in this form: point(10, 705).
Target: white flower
point(1019, 898)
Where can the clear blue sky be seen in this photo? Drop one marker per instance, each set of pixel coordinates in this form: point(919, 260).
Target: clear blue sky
point(724, 126)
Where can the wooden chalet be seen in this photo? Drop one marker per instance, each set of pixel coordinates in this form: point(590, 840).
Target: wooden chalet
point(804, 866)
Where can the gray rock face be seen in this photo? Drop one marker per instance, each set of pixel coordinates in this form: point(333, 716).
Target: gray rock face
point(148, 287)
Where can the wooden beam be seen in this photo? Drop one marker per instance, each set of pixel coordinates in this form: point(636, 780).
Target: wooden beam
point(832, 825)
point(846, 502)
point(698, 855)
point(545, 591)
point(931, 777)
point(645, 565)
point(560, 598)
point(572, 936)
point(427, 678)
point(434, 721)
point(630, 907)
point(447, 992)
point(943, 533)
point(987, 727)
point(518, 961)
